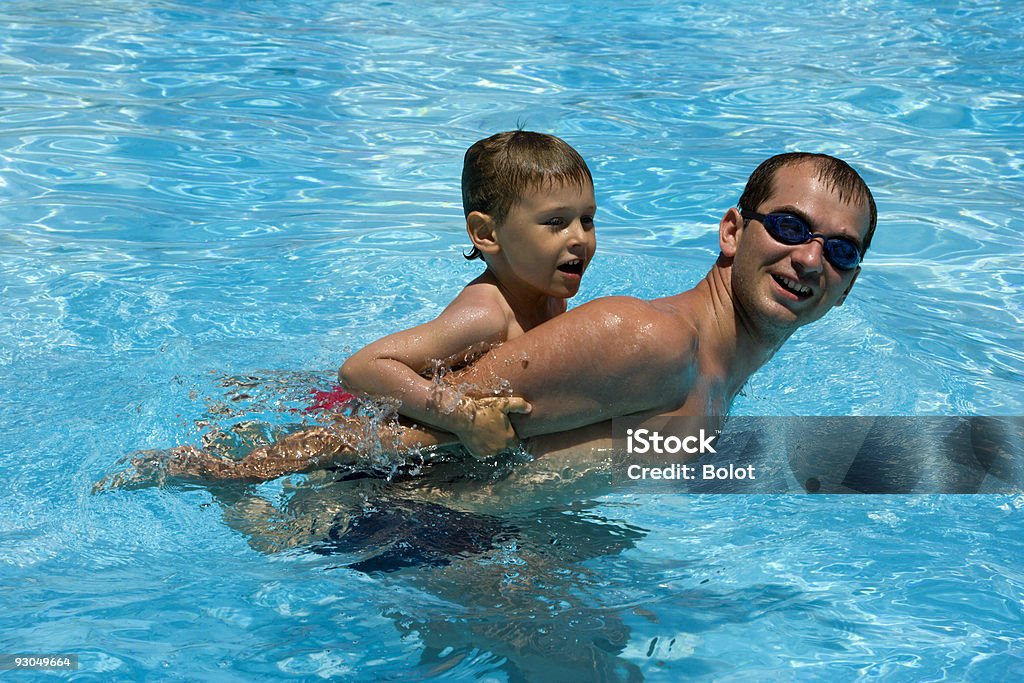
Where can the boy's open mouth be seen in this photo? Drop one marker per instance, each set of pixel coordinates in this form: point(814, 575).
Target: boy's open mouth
point(574, 267)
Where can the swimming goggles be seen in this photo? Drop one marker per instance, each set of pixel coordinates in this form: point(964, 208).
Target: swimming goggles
point(841, 252)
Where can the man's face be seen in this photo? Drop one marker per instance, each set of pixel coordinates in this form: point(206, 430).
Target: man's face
point(782, 287)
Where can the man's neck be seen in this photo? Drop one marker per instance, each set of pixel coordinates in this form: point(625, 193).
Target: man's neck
point(729, 338)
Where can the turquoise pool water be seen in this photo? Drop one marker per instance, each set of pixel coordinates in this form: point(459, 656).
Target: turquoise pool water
point(207, 199)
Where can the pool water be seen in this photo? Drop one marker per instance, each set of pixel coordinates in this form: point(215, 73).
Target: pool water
point(206, 206)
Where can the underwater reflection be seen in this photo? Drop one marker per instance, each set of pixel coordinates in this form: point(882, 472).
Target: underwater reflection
point(512, 583)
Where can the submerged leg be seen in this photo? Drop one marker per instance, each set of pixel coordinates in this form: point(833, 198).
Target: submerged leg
point(300, 451)
point(350, 442)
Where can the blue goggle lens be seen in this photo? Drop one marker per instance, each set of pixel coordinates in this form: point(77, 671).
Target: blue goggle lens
point(841, 252)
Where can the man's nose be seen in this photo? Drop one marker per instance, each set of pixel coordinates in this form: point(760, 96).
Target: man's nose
point(809, 257)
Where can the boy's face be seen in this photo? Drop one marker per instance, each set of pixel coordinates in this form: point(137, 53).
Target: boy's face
point(547, 239)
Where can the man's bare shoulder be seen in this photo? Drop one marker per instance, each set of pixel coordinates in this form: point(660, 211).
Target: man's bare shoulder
point(614, 310)
point(658, 326)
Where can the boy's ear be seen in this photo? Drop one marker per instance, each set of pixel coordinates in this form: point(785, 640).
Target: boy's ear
point(729, 230)
point(480, 227)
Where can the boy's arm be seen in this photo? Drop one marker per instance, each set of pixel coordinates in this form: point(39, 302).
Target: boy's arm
point(391, 367)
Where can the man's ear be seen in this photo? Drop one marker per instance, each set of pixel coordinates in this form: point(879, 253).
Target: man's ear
point(729, 230)
point(482, 234)
point(848, 287)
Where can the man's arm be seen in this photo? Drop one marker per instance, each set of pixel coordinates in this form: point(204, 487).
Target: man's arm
point(341, 445)
point(611, 357)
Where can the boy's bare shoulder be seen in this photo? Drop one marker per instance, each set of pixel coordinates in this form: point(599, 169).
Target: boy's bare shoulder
point(480, 295)
point(481, 305)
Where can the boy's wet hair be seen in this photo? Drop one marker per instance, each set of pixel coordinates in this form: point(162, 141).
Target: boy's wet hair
point(837, 175)
point(498, 170)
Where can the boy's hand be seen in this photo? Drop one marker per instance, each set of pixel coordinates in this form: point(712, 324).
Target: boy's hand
point(488, 430)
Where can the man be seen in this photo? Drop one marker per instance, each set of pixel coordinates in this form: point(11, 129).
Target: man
point(789, 253)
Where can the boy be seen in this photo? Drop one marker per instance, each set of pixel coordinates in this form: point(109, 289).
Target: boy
point(529, 205)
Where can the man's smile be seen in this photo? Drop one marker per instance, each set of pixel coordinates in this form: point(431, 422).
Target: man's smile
point(793, 287)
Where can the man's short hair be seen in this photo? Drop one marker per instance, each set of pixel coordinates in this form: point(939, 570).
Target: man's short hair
point(498, 170)
point(837, 175)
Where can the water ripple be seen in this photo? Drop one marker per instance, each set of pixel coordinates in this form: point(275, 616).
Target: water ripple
point(194, 187)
